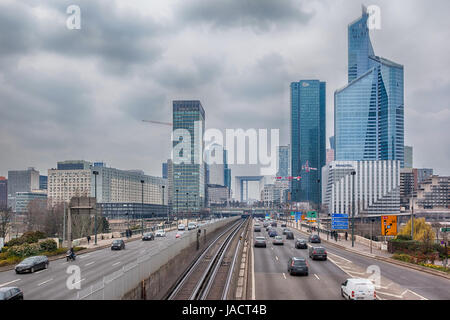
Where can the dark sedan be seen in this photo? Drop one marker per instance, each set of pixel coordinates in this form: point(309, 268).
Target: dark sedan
point(301, 244)
point(289, 235)
point(317, 253)
point(148, 236)
point(314, 238)
point(32, 264)
point(11, 293)
point(118, 245)
point(297, 266)
point(272, 233)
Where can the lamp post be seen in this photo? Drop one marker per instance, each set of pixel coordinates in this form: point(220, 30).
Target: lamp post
point(353, 208)
point(163, 187)
point(176, 204)
point(187, 207)
point(95, 173)
point(142, 208)
point(371, 234)
point(412, 218)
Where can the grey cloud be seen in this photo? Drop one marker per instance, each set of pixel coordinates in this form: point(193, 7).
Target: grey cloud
point(260, 15)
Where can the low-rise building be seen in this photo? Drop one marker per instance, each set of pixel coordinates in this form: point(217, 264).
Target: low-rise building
point(23, 199)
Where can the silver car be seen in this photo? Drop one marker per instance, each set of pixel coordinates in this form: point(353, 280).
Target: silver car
point(278, 241)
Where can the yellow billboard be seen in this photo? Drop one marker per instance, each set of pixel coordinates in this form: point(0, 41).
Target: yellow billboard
point(389, 225)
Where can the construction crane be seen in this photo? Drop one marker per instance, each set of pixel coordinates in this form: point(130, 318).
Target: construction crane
point(159, 122)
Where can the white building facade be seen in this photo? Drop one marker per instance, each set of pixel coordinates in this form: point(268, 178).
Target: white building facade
point(376, 187)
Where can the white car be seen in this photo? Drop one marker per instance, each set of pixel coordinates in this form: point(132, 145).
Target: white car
point(358, 289)
point(181, 227)
point(160, 233)
point(192, 226)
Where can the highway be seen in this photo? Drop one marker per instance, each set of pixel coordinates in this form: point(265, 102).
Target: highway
point(50, 284)
point(272, 282)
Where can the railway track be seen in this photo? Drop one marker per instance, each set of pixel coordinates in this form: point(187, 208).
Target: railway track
point(209, 277)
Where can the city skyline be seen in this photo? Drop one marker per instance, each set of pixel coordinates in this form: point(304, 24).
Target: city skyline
point(70, 114)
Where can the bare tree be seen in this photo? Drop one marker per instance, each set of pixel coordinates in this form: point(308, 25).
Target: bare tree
point(5, 222)
point(36, 213)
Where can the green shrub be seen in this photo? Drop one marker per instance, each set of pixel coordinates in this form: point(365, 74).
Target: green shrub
point(4, 255)
point(10, 261)
point(27, 237)
point(24, 250)
point(48, 245)
point(403, 238)
point(403, 257)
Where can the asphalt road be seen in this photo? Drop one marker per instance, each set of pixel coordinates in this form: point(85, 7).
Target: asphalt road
point(272, 282)
point(50, 284)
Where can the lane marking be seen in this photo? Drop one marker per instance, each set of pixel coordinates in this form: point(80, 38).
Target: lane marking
point(339, 267)
point(115, 264)
point(422, 297)
point(276, 258)
point(284, 276)
point(340, 257)
point(40, 271)
point(40, 284)
point(79, 281)
point(7, 283)
point(316, 276)
point(88, 264)
point(253, 272)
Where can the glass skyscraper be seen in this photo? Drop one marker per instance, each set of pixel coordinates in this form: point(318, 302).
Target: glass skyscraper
point(369, 111)
point(308, 142)
point(283, 161)
point(189, 178)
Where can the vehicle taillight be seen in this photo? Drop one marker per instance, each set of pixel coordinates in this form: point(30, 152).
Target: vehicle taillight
point(325, 252)
point(292, 264)
point(353, 294)
point(314, 252)
point(375, 294)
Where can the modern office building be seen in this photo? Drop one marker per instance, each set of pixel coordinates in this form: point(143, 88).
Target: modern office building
point(409, 163)
point(308, 141)
point(215, 164)
point(164, 170)
point(117, 190)
point(3, 193)
point(189, 177)
point(218, 195)
point(276, 193)
point(369, 110)
point(434, 194)
point(23, 199)
point(283, 161)
point(376, 187)
point(330, 155)
point(43, 182)
point(21, 181)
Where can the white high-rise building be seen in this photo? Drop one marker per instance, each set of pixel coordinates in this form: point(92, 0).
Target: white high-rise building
point(376, 187)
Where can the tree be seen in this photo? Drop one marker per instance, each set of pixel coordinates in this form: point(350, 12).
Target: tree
point(5, 222)
point(422, 231)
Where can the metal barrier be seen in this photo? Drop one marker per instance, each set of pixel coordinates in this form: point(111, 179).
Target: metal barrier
point(114, 286)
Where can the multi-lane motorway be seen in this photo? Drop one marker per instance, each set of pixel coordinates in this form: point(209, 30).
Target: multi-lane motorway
point(50, 284)
point(272, 282)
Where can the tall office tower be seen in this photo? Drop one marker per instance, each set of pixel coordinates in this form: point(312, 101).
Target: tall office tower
point(369, 111)
point(283, 161)
point(227, 172)
point(3, 193)
point(189, 176)
point(21, 181)
point(333, 143)
point(43, 182)
point(164, 170)
point(409, 157)
point(308, 142)
point(170, 183)
point(214, 156)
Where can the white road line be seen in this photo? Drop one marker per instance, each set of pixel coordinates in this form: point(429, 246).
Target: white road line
point(284, 276)
point(423, 298)
point(40, 284)
point(7, 283)
point(276, 258)
point(79, 281)
point(115, 264)
point(88, 264)
point(340, 257)
point(339, 267)
point(40, 271)
point(316, 276)
point(389, 294)
point(253, 273)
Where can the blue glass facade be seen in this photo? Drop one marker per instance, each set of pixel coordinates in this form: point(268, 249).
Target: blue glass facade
point(189, 179)
point(369, 111)
point(308, 142)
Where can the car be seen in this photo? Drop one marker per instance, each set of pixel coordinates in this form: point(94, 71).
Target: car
point(316, 253)
point(178, 235)
point(273, 233)
point(283, 225)
point(181, 227)
point(301, 244)
point(32, 264)
point(11, 293)
point(265, 224)
point(278, 241)
point(192, 226)
point(148, 236)
point(297, 266)
point(260, 242)
point(289, 235)
point(314, 238)
point(257, 228)
point(118, 244)
point(358, 289)
point(274, 224)
point(160, 233)
point(285, 230)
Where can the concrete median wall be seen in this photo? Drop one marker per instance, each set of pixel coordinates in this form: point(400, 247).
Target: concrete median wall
point(157, 281)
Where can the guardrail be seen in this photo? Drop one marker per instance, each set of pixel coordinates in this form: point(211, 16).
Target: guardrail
point(117, 284)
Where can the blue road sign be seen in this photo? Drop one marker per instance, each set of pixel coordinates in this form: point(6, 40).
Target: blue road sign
point(298, 216)
point(339, 221)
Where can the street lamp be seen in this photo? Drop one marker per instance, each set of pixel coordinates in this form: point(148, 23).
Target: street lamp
point(187, 205)
point(95, 173)
point(178, 216)
point(371, 234)
point(412, 218)
point(163, 187)
point(142, 208)
point(353, 208)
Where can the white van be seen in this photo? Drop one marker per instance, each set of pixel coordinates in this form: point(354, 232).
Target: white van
point(181, 227)
point(358, 289)
point(192, 225)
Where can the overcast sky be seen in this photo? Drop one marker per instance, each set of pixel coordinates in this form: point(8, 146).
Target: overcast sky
point(81, 94)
